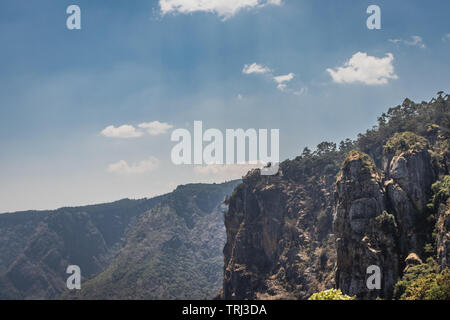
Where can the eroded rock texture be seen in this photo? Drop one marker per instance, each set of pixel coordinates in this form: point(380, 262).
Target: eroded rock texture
point(378, 214)
point(275, 248)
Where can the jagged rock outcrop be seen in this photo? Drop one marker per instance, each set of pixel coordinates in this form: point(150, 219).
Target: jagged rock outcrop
point(378, 213)
point(409, 176)
point(382, 215)
point(273, 249)
point(366, 233)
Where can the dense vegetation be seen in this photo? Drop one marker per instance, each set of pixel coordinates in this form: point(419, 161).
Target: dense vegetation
point(331, 294)
point(424, 282)
point(405, 141)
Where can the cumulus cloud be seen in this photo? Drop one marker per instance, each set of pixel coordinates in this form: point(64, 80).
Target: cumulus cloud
point(415, 41)
point(127, 131)
point(123, 168)
point(255, 68)
point(283, 80)
point(365, 69)
point(123, 132)
point(156, 128)
point(223, 8)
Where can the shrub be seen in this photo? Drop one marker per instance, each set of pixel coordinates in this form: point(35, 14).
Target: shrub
point(332, 294)
point(386, 222)
point(413, 274)
point(405, 141)
point(367, 165)
point(431, 287)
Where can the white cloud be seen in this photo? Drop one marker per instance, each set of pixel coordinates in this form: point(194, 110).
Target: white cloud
point(415, 41)
point(156, 128)
point(223, 8)
point(365, 69)
point(255, 68)
point(285, 78)
point(123, 132)
point(446, 37)
point(123, 168)
point(282, 80)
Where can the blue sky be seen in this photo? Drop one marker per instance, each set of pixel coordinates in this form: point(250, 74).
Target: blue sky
point(131, 63)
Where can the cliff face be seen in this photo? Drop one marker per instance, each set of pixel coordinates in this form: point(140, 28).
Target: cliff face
point(275, 248)
point(366, 234)
point(379, 204)
point(377, 215)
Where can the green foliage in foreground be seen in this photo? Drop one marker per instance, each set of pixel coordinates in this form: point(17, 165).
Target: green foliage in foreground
point(431, 287)
point(413, 274)
point(424, 282)
point(332, 294)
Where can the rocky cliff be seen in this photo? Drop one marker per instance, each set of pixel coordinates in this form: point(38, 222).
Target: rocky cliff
point(280, 243)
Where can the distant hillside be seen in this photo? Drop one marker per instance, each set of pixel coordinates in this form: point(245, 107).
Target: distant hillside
point(174, 252)
point(37, 246)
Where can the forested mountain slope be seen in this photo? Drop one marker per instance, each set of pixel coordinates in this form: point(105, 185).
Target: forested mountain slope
point(174, 252)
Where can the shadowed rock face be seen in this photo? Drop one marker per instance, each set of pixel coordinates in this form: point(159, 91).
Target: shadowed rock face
point(377, 217)
point(272, 249)
point(364, 238)
point(410, 177)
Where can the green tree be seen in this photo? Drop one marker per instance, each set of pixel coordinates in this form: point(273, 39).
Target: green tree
point(331, 294)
